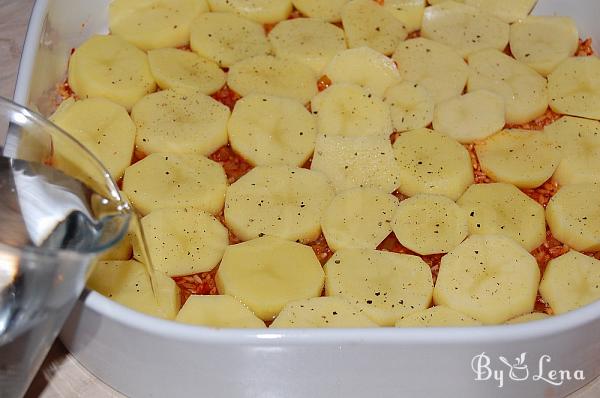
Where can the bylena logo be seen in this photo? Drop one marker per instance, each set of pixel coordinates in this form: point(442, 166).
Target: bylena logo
point(518, 370)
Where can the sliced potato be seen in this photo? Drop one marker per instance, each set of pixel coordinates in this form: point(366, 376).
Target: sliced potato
point(431, 162)
point(267, 273)
point(409, 12)
point(358, 218)
point(438, 316)
point(573, 215)
point(217, 311)
point(411, 106)
point(507, 10)
point(384, 285)
point(488, 277)
point(520, 157)
point(534, 316)
point(263, 11)
point(330, 10)
point(321, 312)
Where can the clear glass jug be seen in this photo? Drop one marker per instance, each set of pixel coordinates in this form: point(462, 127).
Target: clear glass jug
point(52, 225)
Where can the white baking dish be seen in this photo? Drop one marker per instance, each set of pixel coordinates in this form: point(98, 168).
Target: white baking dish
point(146, 357)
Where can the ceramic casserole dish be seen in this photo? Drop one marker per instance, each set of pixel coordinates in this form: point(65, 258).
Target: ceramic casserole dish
point(142, 356)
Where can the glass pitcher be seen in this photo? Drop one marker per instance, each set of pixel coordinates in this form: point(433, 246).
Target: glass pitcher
point(52, 225)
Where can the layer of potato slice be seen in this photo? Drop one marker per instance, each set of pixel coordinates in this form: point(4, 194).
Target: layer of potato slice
point(574, 87)
point(573, 215)
point(409, 12)
point(357, 162)
point(523, 158)
point(263, 11)
point(220, 311)
point(438, 316)
point(278, 200)
point(431, 162)
point(163, 180)
point(127, 283)
point(433, 65)
point(507, 10)
point(321, 312)
point(358, 218)
point(488, 277)
point(384, 285)
point(267, 273)
point(330, 10)
point(411, 106)
point(571, 281)
point(500, 208)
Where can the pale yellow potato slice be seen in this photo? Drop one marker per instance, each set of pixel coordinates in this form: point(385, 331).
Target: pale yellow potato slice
point(110, 67)
point(350, 110)
point(127, 283)
point(280, 201)
point(330, 10)
point(574, 87)
point(184, 241)
point(263, 11)
point(163, 180)
point(180, 121)
point(524, 91)
point(311, 42)
point(365, 67)
point(534, 316)
point(227, 38)
point(543, 42)
point(384, 285)
point(571, 281)
point(507, 10)
point(100, 125)
point(270, 75)
point(578, 141)
point(573, 215)
point(267, 273)
point(411, 106)
point(369, 24)
point(433, 65)
point(321, 312)
point(151, 24)
point(220, 311)
point(431, 162)
point(488, 277)
point(464, 28)
point(430, 224)
point(438, 316)
point(523, 158)
point(357, 162)
point(471, 117)
point(503, 209)
point(174, 68)
point(358, 218)
point(267, 130)
point(409, 12)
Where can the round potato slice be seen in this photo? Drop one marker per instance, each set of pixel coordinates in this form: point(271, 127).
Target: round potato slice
point(269, 272)
point(180, 121)
point(438, 316)
point(409, 12)
point(411, 106)
point(262, 11)
point(321, 312)
point(278, 200)
point(470, 117)
point(503, 209)
point(267, 130)
point(507, 10)
point(488, 277)
point(184, 241)
point(358, 218)
point(520, 157)
point(311, 42)
point(110, 67)
point(227, 38)
point(273, 76)
point(431, 162)
point(330, 10)
point(217, 311)
point(384, 285)
point(174, 68)
point(573, 215)
point(571, 281)
point(163, 180)
point(574, 87)
point(430, 224)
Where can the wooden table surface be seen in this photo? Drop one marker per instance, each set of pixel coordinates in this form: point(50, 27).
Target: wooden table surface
point(61, 376)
